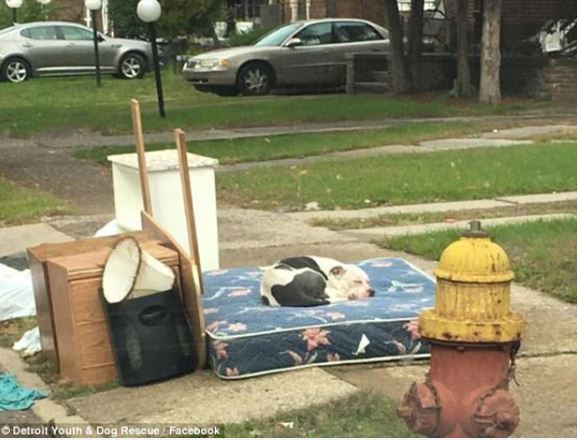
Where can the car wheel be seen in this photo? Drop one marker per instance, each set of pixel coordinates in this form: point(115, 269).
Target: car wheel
point(16, 70)
point(132, 66)
point(255, 79)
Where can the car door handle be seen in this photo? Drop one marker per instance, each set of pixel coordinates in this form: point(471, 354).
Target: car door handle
point(71, 45)
point(27, 45)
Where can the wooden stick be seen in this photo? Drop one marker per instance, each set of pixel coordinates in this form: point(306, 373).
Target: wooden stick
point(142, 162)
point(189, 209)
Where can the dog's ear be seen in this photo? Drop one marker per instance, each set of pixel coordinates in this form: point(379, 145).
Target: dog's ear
point(337, 271)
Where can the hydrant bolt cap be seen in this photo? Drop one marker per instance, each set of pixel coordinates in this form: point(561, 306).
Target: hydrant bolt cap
point(497, 415)
point(419, 409)
point(475, 230)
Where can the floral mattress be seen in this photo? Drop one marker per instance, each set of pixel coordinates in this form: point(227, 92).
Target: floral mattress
point(247, 338)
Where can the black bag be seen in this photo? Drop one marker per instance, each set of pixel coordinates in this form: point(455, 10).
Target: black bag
point(150, 338)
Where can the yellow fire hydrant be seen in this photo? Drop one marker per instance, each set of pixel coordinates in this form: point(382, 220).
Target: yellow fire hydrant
point(474, 338)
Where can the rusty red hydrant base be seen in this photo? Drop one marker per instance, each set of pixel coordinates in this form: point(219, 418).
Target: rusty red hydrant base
point(465, 393)
point(474, 336)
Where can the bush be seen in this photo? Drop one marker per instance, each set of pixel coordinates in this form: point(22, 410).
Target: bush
point(179, 18)
point(29, 11)
point(247, 38)
point(125, 20)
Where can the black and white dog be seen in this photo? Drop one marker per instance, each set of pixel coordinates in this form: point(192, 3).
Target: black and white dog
point(313, 281)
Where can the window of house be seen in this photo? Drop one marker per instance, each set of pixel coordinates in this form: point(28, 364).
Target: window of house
point(298, 9)
point(301, 10)
point(40, 33)
point(353, 32)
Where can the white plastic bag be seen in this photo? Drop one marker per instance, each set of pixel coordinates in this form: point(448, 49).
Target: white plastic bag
point(111, 228)
point(29, 343)
point(16, 293)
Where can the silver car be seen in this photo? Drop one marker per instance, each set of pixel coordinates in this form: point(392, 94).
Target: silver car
point(301, 54)
point(62, 48)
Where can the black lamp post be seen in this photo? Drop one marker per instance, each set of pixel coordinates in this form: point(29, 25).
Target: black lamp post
point(150, 11)
point(14, 5)
point(94, 6)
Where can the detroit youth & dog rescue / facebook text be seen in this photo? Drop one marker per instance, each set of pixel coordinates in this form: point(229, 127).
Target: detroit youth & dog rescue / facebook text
point(129, 430)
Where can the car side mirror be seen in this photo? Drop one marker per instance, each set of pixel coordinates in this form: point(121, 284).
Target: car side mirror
point(101, 38)
point(294, 42)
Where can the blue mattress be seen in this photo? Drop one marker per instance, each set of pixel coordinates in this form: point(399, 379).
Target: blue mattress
point(247, 338)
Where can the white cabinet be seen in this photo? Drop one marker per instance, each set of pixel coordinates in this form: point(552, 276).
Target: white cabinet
point(167, 198)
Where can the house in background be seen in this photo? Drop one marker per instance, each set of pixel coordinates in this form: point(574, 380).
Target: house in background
point(521, 19)
point(76, 11)
point(372, 10)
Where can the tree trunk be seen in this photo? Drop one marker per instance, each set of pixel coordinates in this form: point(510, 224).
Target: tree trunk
point(398, 64)
point(464, 83)
point(491, 57)
point(415, 40)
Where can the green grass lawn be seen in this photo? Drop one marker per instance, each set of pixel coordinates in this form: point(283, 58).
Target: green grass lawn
point(66, 104)
point(404, 179)
point(231, 151)
point(542, 253)
point(361, 415)
point(20, 204)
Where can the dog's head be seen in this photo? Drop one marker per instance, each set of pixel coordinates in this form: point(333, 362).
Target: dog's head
point(351, 281)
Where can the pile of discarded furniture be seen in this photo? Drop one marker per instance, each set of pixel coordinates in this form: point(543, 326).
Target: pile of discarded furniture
point(126, 306)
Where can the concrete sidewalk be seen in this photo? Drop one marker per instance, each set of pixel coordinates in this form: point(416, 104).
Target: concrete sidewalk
point(373, 233)
point(422, 147)
point(498, 202)
point(82, 139)
point(248, 229)
point(492, 139)
point(17, 239)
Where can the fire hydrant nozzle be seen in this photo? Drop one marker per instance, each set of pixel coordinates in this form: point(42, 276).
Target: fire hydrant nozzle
point(474, 336)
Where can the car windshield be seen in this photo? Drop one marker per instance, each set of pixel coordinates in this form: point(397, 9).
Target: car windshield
point(277, 36)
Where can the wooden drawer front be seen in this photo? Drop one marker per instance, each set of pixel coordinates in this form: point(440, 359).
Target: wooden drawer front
point(86, 301)
point(82, 329)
